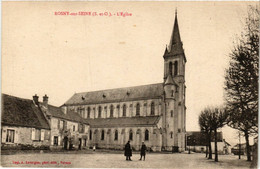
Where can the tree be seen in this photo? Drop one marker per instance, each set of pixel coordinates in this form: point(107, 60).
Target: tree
point(204, 122)
point(211, 119)
point(241, 80)
point(218, 120)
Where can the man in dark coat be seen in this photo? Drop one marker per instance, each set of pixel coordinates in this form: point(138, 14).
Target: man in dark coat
point(128, 151)
point(143, 150)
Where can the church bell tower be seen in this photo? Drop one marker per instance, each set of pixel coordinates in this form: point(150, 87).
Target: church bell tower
point(174, 92)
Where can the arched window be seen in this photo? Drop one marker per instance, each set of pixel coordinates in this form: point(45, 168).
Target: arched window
point(130, 135)
point(170, 68)
point(102, 135)
point(171, 134)
point(89, 112)
point(116, 135)
point(146, 135)
point(137, 109)
point(124, 110)
point(152, 108)
point(111, 111)
point(175, 68)
point(99, 111)
point(90, 135)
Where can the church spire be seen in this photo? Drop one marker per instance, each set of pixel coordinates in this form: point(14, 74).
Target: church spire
point(175, 38)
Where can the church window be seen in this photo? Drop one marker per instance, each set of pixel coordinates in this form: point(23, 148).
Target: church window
point(175, 68)
point(99, 111)
point(146, 135)
point(170, 68)
point(124, 110)
point(171, 134)
point(171, 113)
point(137, 109)
point(90, 135)
point(172, 92)
point(111, 111)
point(102, 135)
point(89, 112)
point(152, 108)
point(130, 135)
point(116, 135)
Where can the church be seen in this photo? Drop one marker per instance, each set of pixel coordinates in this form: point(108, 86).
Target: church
point(154, 114)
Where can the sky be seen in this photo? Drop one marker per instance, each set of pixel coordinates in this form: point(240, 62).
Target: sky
point(59, 55)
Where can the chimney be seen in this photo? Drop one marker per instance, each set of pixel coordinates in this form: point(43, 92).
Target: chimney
point(64, 109)
point(45, 100)
point(36, 99)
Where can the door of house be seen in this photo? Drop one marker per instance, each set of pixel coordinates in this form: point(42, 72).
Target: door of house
point(65, 142)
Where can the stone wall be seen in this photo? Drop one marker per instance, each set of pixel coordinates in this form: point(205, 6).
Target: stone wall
point(23, 135)
point(71, 131)
point(202, 149)
point(154, 141)
point(145, 109)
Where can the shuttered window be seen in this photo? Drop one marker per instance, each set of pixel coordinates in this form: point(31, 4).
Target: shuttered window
point(10, 136)
point(33, 133)
point(42, 135)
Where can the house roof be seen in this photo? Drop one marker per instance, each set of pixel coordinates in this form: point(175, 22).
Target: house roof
point(70, 115)
point(123, 122)
point(22, 112)
point(117, 95)
point(198, 138)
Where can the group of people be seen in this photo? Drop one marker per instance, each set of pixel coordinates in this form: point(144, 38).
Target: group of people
point(128, 151)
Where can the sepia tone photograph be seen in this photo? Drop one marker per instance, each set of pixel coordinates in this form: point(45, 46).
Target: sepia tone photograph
point(123, 84)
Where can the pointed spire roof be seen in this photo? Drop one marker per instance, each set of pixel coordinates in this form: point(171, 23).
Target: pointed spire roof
point(175, 47)
point(175, 38)
point(166, 50)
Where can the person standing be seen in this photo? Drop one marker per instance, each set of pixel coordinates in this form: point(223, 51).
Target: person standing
point(128, 151)
point(143, 151)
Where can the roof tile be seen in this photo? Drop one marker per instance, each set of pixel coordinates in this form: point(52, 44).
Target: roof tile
point(22, 112)
point(117, 95)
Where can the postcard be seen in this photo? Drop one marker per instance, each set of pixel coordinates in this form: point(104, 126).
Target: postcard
point(120, 84)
